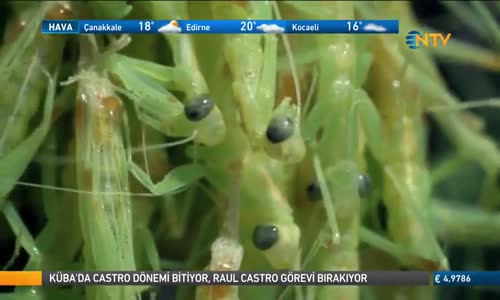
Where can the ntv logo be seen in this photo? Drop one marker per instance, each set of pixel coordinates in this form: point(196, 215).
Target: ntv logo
point(415, 39)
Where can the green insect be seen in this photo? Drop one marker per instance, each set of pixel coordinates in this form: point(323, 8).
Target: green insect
point(283, 135)
point(470, 142)
point(103, 163)
point(340, 123)
point(27, 61)
point(254, 87)
point(226, 251)
point(251, 93)
point(289, 182)
point(275, 232)
point(241, 148)
point(31, 49)
point(22, 66)
point(101, 167)
point(156, 105)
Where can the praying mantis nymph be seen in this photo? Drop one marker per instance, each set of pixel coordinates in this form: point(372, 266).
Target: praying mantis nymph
point(106, 112)
point(226, 251)
point(199, 104)
point(24, 57)
point(103, 162)
point(245, 59)
point(13, 164)
point(361, 104)
point(255, 224)
point(274, 231)
point(470, 142)
point(254, 87)
point(20, 99)
point(240, 146)
point(283, 137)
point(24, 75)
point(159, 108)
point(154, 161)
point(226, 255)
point(150, 85)
point(102, 167)
point(336, 146)
point(302, 176)
point(404, 127)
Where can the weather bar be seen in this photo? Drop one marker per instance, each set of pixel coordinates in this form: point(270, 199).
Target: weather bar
point(218, 26)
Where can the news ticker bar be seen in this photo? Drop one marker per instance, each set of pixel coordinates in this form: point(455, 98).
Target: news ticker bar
point(218, 26)
point(46, 278)
point(394, 278)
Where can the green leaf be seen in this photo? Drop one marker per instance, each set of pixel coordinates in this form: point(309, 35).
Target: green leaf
point(110, 9)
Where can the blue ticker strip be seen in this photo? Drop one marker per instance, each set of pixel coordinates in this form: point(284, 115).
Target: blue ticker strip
point(219, 26)
point(467, 278)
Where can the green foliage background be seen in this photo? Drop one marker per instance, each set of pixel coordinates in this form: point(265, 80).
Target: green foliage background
point(462, 186)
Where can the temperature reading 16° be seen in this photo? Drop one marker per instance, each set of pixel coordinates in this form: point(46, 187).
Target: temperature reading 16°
point(353, 26)
point(146, 26)
point(247, 25)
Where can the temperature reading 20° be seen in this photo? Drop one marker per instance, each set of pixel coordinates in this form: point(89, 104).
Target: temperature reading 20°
point(146, 26)
point(247, 25)
point(354, 27)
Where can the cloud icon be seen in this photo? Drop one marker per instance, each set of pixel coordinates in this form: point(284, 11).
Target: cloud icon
point(172, 27)
point(273, 28)
point(374, 27)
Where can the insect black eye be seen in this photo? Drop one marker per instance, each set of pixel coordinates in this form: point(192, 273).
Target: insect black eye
point(265, 236)
point(363, 185)
point(280, 129)
point(314, 192)
point(199, 107)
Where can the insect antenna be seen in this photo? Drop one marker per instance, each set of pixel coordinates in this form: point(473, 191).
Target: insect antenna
point(293, 66)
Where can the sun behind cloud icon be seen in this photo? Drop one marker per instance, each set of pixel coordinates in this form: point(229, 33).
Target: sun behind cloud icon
point(273, 28)
point(172, 27)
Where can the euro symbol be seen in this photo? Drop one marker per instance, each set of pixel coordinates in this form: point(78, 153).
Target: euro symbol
point(437, 279)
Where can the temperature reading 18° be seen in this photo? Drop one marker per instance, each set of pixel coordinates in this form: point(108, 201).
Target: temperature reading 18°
point(353, 26)
point(247, 25)
point(146, 26)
